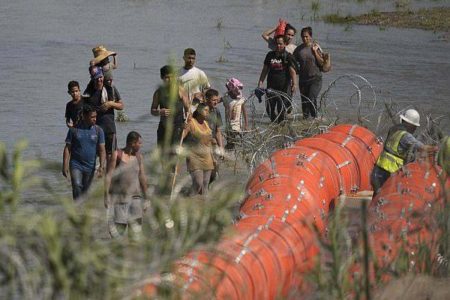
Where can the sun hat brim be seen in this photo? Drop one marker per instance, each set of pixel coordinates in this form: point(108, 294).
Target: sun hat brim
point(103, 55)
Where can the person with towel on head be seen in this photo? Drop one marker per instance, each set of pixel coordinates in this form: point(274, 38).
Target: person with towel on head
point(282, 28)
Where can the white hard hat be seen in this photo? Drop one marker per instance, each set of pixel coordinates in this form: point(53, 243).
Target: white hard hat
point(411, 116)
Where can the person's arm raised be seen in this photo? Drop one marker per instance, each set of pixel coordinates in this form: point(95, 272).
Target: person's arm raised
point(266, 34)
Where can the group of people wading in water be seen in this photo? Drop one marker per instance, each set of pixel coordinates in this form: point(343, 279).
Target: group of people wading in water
point(189, 117)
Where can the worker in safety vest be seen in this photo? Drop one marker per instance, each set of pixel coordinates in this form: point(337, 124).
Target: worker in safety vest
point(399, 149)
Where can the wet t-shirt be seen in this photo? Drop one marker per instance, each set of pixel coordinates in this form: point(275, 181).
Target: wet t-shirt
point(309, 70)
point(278, 77)
point(73, 111)
point(83, 141)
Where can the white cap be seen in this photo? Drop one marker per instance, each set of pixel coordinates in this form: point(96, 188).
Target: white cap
point(411, 116)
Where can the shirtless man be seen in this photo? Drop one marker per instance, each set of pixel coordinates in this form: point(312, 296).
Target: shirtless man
point(127, 189)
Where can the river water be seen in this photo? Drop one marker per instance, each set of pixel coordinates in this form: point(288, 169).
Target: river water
point(46, 43)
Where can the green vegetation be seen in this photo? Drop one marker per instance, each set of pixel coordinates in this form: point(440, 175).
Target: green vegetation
point(315, 7)
point(122, 117)
point(338, 19)
point(58, 249)
point(348, 267)
point(62, 250)
point(436, 19)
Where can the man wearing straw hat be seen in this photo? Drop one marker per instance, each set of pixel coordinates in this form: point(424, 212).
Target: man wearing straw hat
point(282, 28)
point(101, 59)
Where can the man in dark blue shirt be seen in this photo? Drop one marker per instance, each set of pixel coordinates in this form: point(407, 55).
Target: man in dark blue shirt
point(83, 143)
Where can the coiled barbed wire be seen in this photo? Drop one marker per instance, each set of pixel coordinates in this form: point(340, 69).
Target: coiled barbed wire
point(348, 98)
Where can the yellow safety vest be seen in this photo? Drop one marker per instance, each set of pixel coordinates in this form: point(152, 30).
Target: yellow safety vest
point(391, 159)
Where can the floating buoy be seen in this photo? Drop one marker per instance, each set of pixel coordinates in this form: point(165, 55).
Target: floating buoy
point(288, 198)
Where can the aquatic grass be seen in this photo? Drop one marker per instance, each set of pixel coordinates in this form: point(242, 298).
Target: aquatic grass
point(222, 59)
point(338, 19)
point(226, 46)
point(219, 24)
point(435, 19)
point(402, 4)
point(122, 117)
point(315, 7)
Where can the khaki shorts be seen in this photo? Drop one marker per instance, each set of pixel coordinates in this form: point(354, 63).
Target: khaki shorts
point(127, 210)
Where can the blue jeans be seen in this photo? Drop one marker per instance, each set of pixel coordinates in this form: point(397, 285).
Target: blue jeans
point(81, 181)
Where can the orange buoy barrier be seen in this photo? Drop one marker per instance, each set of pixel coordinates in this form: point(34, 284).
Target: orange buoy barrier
point(363, 158)
point(343, 161)
point(288, 194)
point(300, 162)
point(373, 144)
point(402, 216)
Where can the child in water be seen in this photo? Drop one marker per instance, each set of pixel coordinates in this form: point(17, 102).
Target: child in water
point(234, 103)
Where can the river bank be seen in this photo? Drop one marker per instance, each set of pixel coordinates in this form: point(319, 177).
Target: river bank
point(435, 19)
